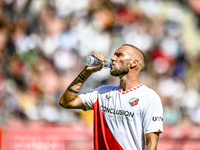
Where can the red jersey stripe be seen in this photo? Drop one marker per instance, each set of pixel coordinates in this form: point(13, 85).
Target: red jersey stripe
point(103, 137)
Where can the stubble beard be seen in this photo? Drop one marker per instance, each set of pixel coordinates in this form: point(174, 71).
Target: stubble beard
point(123, 70)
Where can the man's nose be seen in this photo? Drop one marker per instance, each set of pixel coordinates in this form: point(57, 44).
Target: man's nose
point(112, 58)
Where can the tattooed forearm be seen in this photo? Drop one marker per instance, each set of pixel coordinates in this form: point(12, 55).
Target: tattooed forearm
point(73, 91)
point(77, 84)
point(70, 97)
point(82, 77)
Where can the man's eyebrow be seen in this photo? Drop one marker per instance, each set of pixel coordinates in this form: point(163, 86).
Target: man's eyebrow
point(117, 53)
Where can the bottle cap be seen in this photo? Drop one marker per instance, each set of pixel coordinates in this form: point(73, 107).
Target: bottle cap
point(111, 64)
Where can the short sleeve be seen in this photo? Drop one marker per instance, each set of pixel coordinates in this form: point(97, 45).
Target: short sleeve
point(89, 98)
point(153, 114)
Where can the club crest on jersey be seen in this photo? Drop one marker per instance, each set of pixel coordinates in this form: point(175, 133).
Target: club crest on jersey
point(133, 101)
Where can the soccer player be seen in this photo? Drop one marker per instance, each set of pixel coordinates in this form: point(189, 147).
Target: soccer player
point(128, 116)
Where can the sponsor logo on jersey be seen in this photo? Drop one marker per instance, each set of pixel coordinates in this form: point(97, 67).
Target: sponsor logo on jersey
point(157, 118)
point(116, 111)
point(108, 97)
point(133, 101)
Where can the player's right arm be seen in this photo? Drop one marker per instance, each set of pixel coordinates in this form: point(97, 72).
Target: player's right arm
point(70, 98)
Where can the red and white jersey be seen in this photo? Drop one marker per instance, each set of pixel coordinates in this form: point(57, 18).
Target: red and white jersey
point(122, 118)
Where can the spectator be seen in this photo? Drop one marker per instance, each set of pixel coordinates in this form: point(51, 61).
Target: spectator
point(42, 44)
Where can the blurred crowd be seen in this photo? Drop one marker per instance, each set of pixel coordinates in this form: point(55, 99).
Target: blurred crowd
point(42, 44)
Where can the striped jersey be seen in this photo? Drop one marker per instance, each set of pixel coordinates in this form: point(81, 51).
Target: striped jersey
point(121, 119)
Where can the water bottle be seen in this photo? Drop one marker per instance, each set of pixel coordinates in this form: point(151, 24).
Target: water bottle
point(92, 61)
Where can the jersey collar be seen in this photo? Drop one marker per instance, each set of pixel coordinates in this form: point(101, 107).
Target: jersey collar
point(127, 91)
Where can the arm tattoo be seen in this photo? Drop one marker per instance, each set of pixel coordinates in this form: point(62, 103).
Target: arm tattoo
point(82, 77)
point(73, 91)
point(78, 86)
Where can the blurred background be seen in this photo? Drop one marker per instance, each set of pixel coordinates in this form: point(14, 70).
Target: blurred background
point(42, 44)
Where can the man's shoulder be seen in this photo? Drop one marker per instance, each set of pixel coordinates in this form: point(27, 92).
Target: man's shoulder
point(148, 90)
point(107, 88)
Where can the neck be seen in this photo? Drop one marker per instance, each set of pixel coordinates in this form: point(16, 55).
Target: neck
point(129, 81)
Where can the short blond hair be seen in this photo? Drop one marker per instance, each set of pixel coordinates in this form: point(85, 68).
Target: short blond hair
point(140, 55)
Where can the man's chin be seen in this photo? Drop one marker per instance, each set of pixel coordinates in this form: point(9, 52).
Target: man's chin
point(114, 73)
point(117, 73)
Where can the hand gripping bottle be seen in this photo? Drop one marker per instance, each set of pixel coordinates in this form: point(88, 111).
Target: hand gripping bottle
point(92, 61)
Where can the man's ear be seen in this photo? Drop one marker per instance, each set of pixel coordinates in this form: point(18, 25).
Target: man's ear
point(133, 63)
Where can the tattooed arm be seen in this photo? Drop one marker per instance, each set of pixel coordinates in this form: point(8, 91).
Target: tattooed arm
point(70, 98)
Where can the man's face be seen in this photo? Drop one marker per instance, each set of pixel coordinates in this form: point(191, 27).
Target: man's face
point(120, 61)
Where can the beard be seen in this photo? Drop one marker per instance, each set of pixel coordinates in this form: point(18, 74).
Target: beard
point(123, 70)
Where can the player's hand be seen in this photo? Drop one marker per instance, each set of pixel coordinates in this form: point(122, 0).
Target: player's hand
point(93, 69)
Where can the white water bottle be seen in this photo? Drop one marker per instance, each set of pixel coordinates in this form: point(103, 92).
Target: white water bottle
point(92, 61)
